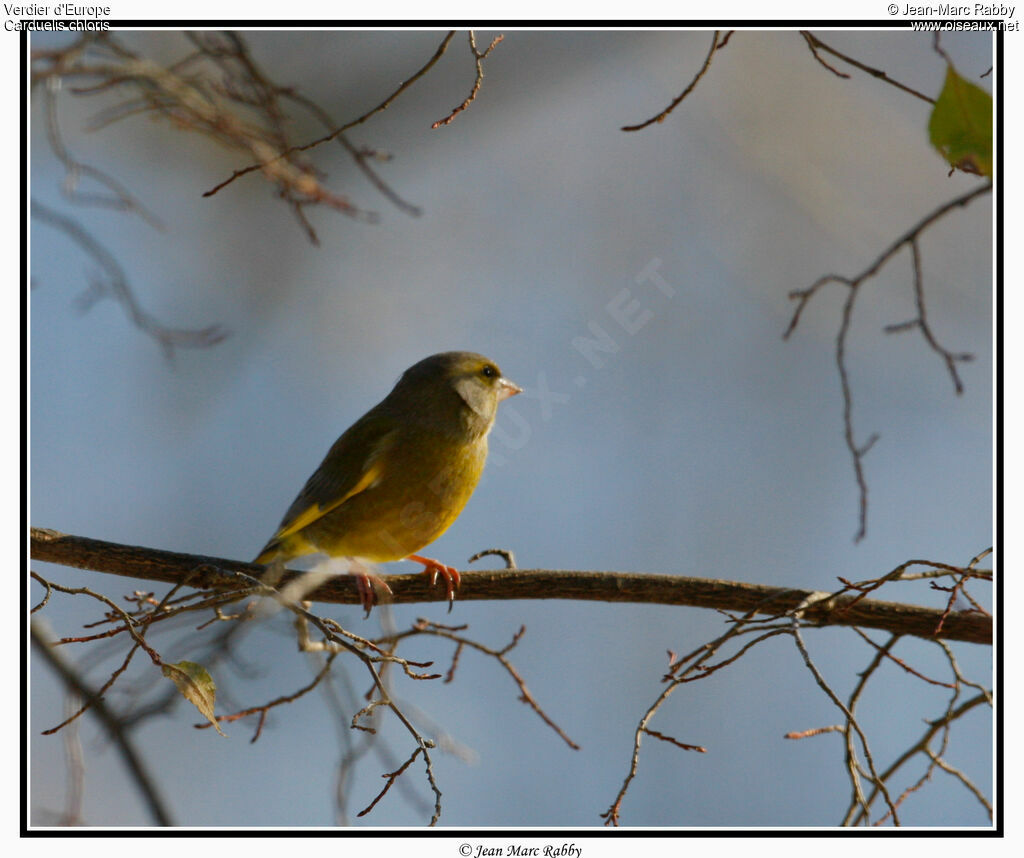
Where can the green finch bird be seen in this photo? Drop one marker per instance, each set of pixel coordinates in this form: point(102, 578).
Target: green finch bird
point(401, 474)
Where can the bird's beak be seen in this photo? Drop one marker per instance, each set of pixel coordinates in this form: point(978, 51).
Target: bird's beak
point(507, 388)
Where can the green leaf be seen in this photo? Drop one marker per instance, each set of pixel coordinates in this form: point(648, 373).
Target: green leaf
point(196, 685)
point(961, 125)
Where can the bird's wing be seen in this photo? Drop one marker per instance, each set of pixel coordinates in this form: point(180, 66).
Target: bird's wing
point(352, 465)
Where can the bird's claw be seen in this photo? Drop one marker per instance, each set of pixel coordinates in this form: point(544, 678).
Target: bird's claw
point(369, 585)
point(433, 568)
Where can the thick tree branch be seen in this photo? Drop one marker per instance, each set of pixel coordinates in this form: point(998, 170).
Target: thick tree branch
point(218, 573)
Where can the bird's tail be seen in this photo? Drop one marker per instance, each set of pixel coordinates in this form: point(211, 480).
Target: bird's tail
point(270, 552)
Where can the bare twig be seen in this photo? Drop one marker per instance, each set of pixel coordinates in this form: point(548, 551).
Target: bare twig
point(814, 44)
point(814, 731)
point(235, 104)
point(698, 748)
point(129, 623)
point(814, 50)
point(264, 708)
point(330, 631)
point(116, 286)
point(391, 778)
point(134, 626)
point(803, 296)
point(427, 628)
point(923, 744)
point(46, 597)
point(851, 721)
point(695, 663)
point(884, 650)
point(936, 569)
point(937, 47)
point(478, 58)
point(110, 721)
point(119, 197)
point(921, 322)
point(362, 156)
point(503, 553)
point(698, 665)
point(716, 44)
point(384, 105)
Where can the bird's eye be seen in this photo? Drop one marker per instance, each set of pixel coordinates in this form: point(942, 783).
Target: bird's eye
point(489, 371)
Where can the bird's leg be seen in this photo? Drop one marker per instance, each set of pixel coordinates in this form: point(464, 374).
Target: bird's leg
point(369, 585)
point(433, 568)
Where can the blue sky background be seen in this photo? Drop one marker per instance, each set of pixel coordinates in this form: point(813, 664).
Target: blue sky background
point(704, 446)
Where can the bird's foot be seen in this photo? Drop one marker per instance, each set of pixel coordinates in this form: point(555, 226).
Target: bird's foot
point(433, 568)
point(370, 586)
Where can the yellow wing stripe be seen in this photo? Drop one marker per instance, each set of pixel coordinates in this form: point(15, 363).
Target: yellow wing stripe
point(314, 512)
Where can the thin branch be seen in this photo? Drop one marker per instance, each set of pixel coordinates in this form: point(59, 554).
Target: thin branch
point(936, 570)
point(129, 624)
point(221, 574)
point(814, 43)
point(803, 297)
point(234, 104)
point(937, 47)
point(335, 634)
point(46, 597)
point(696, 665)
point(814, 731)
point(503, 553)
point(479, 58)
point(391, 778)
point(884, 650)
point(116, 286)
point(698, 748)
point(97, 695)
point(660, 117)
point(121, 199)
point(857, 452)
point(426, 627)
point(851, 721)
point(814, 50)
point(384, 105)
point(921, 322)
point(858, 811)
point(960, 776)
point(361, 156)
point(922, 744)
point(113, 725)
point(264, 708)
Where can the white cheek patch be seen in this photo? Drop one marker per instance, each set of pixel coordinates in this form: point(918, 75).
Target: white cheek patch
point(474, 395)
